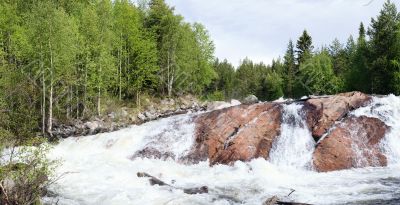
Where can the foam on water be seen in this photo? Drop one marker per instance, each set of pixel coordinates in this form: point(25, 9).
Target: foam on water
point(386, 109)
point(99, 169)
point(295, 145)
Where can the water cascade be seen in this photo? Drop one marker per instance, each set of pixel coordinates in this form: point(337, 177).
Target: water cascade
point(100, 169)
point(295, 145)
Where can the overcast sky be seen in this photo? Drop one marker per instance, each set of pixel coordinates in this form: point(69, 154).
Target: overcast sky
point(261, 29)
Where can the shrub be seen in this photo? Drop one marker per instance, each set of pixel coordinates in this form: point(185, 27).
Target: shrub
point(25, 174)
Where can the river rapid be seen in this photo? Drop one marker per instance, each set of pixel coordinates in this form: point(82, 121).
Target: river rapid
point(100, 169)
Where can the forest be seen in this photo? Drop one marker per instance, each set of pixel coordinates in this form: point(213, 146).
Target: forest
point(367, 63)
point(62, 59)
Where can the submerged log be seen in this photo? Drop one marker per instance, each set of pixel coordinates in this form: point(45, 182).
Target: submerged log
point(155, 181)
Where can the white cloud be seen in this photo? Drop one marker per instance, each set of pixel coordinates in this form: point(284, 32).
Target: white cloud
point(260, 29)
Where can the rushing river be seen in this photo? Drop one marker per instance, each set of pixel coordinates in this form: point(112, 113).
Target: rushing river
point(100, 170)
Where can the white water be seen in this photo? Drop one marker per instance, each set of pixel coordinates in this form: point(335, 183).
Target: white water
point(295, 145)
point(388, 110)
point(99, 169)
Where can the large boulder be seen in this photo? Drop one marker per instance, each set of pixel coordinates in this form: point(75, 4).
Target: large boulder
point(236, 133)
point(251, 99)
point(323, 112)
point(354, 143)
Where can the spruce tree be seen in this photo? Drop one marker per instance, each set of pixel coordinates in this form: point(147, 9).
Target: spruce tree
point(383, 34)
point(290, 70)
point(304, 47)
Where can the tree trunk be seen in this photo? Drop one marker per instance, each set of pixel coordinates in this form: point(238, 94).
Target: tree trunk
point(169, 87)
point(138, 98)
point(50, 118)
point(85, 88)
point(77, 101)
point(43, 93)
point(120, 70)
point(99, 95)
point(69, 104)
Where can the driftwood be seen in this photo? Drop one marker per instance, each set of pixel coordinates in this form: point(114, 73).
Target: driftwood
point(155, 181)
point(204, 189)
point(271, 201)
point(275, 201)
point(290, 203)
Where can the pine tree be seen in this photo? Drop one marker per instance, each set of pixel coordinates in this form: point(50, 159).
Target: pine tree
point(304, 47)
point(290, 70)
point(359, 77)
point(225, 79)
point(383, 40)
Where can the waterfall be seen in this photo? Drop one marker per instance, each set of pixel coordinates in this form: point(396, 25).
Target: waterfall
point(295, 145)
point(387, 109)
point(100, 169)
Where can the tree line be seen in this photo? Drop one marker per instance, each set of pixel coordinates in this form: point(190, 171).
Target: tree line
point(63, 58)
point(369, 63)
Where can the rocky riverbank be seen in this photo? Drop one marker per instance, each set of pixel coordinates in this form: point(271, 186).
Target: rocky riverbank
point(124, 116)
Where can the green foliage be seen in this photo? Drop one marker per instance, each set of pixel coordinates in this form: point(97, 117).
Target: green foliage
point(384, 40)
point(216, 96)
point(225, 81)
point(26, 175)
point(274, 86)
point(318, 75)
point(64, 59)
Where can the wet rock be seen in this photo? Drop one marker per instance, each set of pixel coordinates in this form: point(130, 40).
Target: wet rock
point(92, 125)
point(111, 115)
point(141, 117)
point(251, 99)
point(155, 181)
point(354, 143)
point(150, 152)
point(197, 190)
point(323, 112)
point(150, 115)
point(242, 132)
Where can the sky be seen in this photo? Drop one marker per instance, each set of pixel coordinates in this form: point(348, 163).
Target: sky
point(261, 29)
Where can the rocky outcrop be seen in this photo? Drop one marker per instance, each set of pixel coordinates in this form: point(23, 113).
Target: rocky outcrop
point(237, 133)
point(323, 112)
point(354, 143)
point(248, 131)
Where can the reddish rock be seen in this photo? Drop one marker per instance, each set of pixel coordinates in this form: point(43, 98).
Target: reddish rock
point(237, 133)
point(354, 143)
point(323, 112)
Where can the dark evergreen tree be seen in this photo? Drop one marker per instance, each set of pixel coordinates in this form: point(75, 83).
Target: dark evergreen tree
point(290, 70)
point(304, 47)
point(383, 34)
